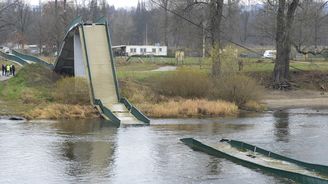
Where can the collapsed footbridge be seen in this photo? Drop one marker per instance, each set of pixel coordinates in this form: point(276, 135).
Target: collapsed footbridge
point(23, 59)
point(86, 52)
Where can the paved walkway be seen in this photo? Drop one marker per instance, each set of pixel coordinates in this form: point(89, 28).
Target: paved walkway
point(2, 78)
point(165, 69)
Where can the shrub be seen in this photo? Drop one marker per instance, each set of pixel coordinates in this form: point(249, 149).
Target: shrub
point(137, 93)
point(72, 90)
point(226, 60)
point(236, 88)
point(182, 83)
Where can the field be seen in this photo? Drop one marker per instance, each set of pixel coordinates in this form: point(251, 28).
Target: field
point(140, 68)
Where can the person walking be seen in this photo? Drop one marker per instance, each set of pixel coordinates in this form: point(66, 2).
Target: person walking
point(8, 70)
point(13, 69)
point(3, 70)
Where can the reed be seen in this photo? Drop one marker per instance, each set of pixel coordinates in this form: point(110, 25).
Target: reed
point(183, 108)
point(63, 111)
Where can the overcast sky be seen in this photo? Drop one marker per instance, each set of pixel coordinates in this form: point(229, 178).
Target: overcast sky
point(116, 3)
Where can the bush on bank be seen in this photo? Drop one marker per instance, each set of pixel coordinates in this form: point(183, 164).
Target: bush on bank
point(71, 90)
point(182, 83)
point(235, 87)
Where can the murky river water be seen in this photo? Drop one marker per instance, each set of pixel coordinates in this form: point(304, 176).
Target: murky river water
point(95, 152)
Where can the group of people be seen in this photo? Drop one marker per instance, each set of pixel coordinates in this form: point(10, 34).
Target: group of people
point(8, 70)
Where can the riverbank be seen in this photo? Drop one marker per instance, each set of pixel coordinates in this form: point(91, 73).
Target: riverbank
point(38, 93)
point(278, 100)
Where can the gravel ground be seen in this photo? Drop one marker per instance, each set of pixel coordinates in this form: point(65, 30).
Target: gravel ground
point(295, 99)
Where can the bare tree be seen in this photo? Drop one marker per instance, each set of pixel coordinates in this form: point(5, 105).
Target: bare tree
point(285, 19)
point(214, 29)
point(311, 27)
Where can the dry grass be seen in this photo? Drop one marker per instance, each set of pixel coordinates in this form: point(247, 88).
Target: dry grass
point(137, 93)
point(29, 96)
point(254, 106)
point(189, 108)
point(72, 90)
point(63, 111)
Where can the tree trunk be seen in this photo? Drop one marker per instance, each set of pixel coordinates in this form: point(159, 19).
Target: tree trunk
point(166, 23)
point(283, 43)
point(216, 8)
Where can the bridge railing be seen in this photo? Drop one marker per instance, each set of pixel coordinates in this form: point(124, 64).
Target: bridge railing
point(13, 58)
point(31, 58)
point(108, 112)
point(74, 23)
point(134, 111)
point(77, 21)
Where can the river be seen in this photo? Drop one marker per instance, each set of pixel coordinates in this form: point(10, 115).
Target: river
point(96, 152)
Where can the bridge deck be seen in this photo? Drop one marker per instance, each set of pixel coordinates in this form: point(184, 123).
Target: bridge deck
point(102, 78)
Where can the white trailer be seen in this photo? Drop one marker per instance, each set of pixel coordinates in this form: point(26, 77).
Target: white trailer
point(141, 50)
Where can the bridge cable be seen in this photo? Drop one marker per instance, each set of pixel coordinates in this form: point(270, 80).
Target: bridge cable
point(201, 27)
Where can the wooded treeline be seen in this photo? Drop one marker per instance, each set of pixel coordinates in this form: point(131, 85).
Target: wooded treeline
point(148, 23)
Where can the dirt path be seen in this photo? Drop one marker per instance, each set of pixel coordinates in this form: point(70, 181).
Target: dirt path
point(2, 78)
point(165, 69)
point(295, 99)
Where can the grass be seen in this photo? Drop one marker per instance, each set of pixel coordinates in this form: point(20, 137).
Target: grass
point(71, 90)
point(38, 93)
point(63, 111)
point(137, 67)
point(34, 79)
point(162, 61)
point(266, 65)
point(184, 108)
point(254, 106)
point(48, 59)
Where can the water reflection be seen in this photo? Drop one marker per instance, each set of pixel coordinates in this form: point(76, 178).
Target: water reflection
point(214, 166)
point(281, 125)
point(96, 152)
point(88, 156)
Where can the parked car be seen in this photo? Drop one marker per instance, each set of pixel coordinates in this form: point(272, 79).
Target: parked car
point(6, 50)
point(270, 54)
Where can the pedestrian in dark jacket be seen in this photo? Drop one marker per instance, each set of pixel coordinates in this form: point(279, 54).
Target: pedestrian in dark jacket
point(3, 70)
point(13, 69)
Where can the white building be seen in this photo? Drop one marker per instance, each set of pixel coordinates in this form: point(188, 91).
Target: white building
point(141, 50)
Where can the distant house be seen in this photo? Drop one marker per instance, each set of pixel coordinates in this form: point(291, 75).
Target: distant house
point(140, 50)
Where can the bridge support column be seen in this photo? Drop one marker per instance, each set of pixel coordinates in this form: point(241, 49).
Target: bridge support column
point(79, 68)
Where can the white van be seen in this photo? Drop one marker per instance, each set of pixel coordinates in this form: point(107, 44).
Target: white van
point(270, 54)
point(6, 50)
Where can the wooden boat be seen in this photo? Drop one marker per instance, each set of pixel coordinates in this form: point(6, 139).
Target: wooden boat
point(255, 157)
